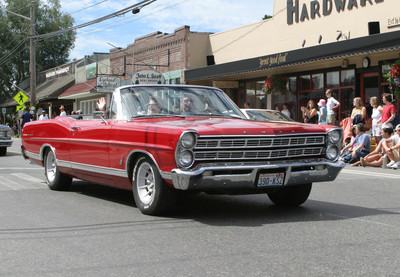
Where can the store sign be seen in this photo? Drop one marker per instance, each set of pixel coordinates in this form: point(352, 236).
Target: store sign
point(91, 70)
point(148, 77)
point(316, 8)
point(393, 22)
point(57, 72)
point(273, 60)
point(107, 84)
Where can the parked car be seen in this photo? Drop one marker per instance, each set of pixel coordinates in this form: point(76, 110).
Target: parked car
point(5, 139)
point(158, 139)
point(265, 115)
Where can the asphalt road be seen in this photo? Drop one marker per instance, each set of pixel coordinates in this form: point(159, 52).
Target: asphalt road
point(349, 227)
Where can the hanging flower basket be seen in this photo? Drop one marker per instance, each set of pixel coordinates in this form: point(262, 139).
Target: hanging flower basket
point(393, 77)
point(275, 84)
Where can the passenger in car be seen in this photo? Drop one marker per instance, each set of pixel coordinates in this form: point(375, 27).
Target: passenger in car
point(153, 107)
point(187, 104)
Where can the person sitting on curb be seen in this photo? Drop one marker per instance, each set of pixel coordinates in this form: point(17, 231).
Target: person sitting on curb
point(392, 146)
point(362, 145)
point(375, 158)
point(349, 145)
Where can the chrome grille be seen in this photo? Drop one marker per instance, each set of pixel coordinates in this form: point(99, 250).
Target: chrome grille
point(267, 148)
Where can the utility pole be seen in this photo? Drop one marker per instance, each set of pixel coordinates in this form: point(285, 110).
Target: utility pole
point(32, 62)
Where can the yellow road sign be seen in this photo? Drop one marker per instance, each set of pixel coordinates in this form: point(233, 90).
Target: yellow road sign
point(20, 98)
point(20, 108)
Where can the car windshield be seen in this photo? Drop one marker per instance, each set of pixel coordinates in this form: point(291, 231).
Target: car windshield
point(148, 101)
point(266, 115)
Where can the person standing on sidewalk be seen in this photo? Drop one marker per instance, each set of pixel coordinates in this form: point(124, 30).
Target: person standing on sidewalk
point(389, 110)
point(332, 105)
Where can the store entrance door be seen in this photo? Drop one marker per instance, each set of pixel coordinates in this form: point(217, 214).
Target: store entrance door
point(369, 87)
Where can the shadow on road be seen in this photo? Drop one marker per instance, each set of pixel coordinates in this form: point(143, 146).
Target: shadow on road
point(243, 210)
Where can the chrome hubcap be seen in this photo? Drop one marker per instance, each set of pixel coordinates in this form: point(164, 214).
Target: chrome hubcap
point(146, 183)
point(51, 167)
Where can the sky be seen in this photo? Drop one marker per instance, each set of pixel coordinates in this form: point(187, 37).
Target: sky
point(162, 15)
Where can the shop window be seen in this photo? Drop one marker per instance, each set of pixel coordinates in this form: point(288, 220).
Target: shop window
point(348, 77)
point(305, 83)
point(292, 84)
point(332, 79)
point(318, 81)
point(346, 102)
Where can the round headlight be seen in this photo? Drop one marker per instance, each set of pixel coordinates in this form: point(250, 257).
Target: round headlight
point(332, 153)
point(188, 140)
point(334, 136)
point(185, 158)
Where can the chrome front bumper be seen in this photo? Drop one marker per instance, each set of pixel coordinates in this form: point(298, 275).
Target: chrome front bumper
point(6, 143)
point(245, 175)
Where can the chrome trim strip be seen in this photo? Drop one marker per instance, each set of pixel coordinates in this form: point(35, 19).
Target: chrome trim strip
point(94, 168)
point(32, 155)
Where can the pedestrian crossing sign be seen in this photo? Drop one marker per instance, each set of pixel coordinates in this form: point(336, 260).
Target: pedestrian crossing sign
point(20, 108)
point(20, 98)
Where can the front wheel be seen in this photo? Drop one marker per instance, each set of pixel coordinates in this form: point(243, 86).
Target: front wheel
point(291, 195)
point(3, 151)
point(55, 179)
point(152, 195)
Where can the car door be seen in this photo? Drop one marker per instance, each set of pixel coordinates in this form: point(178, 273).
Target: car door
point(89, 149)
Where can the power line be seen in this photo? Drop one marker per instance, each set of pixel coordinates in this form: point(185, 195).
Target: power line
point(101, 19)
point(91, 6)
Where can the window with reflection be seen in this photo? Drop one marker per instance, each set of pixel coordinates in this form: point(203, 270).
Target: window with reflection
point(346, 101)
point(332, 79)
point(348, 77)
point(318, 81)
point(305, 82)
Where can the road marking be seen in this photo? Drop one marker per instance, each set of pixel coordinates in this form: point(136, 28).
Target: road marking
point(10, 184)
point(21, 168)
point(33, 183)
point(27, 177)
point(374, 174)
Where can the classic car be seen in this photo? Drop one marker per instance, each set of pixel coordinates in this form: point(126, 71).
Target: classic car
point(157, 140)
point(265, 115)
point(5, 139)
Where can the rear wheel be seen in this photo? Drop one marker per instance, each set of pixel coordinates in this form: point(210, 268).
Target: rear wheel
point(291, 195)
point(55, 179)
point(3, 151)
point(152, 195)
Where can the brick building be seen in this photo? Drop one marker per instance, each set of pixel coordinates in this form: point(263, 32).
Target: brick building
point(169, 54)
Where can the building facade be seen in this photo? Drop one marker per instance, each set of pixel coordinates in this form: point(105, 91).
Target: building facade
point(169, 54)
point(316, 44)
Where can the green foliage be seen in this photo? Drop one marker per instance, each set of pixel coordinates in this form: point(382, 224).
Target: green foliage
point(393, 77)
point(266, 17)
point(14, 45)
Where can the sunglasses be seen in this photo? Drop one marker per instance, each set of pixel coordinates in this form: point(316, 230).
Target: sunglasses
point(188, 100)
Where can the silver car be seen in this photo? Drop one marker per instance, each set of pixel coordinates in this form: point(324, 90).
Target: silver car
point(265, 115)
point(5, 139)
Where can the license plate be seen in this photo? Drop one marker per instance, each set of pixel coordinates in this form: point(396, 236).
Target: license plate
point(270, 179)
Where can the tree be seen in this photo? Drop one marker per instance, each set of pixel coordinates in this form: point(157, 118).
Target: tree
point(266, 17)
point(14, 42)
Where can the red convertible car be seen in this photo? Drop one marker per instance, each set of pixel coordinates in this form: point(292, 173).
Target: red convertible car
point(158, 139)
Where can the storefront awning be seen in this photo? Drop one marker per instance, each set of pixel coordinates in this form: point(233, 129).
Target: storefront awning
point(80, 90)
point(47, 91)
point(341, 49)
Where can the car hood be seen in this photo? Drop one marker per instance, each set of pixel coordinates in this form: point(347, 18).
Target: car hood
point(233, 126)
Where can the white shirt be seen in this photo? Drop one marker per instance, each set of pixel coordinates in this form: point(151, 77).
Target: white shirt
point(395, 139)
point(330, 104)
point(43, 117)
point(376, 116)
point(63, 113)
point(286, 112)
